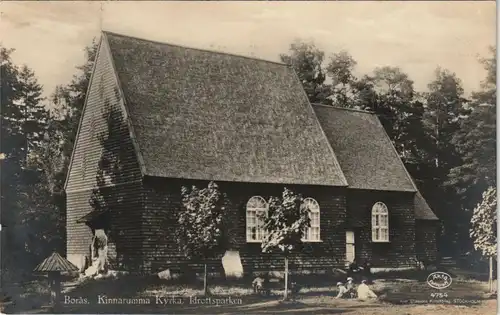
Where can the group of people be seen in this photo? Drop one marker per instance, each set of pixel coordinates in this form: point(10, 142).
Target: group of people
point(349, 290)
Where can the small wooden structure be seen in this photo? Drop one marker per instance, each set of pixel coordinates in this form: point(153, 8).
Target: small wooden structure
point(54, 265)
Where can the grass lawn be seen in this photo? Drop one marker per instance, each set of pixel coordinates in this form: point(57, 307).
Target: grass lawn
point(400, 293)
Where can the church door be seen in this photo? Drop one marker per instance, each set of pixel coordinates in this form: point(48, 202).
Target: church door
point(350, 253)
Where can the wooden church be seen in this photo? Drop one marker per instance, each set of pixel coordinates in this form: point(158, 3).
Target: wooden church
point(158, 117)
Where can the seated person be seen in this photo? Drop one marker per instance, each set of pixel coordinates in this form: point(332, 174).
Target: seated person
point(343, 293)
point(351, 288)
point(261, 284)
point(364, 292)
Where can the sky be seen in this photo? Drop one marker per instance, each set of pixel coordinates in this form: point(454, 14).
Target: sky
point(417, 36)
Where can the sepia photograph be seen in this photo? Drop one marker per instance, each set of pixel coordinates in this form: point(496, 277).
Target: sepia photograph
point(260, 157)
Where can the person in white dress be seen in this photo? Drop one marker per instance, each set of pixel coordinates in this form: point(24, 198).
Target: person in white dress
point(343, 293)
point(364, 292)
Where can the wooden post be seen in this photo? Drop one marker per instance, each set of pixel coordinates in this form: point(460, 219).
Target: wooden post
point(490, 280)
point(285, 297)
point(205, 288)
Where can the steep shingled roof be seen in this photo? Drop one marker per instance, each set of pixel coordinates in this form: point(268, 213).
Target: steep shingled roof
point(205, 115)
point(367, 155)
point(422, 209)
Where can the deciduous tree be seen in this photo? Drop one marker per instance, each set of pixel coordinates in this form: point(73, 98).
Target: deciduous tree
point(307, 61)
point(285, 224)
point(202, 224)
point(340, 71)
point(476, 142)
point(484, 227)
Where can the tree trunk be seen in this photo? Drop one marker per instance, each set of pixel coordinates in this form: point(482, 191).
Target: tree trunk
point(490, 279)
point(205, 287)
point(285, 296)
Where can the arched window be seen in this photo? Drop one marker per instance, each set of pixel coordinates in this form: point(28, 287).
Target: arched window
point(380, 222)
point(256, 208)
point(313, 232)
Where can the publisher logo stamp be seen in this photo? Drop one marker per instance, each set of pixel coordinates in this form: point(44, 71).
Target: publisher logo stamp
point(439, 280)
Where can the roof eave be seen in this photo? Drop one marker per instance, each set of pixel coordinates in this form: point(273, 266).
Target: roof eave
point(160, 177)
point(380, 189)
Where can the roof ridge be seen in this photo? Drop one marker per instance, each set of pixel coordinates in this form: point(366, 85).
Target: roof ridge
point(345, 108)
point(198, 49)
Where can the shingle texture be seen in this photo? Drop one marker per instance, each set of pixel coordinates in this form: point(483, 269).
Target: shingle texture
point(366, 154)
point(204, 115)
point(363, 149)
point(422, 209)
point(55, 263)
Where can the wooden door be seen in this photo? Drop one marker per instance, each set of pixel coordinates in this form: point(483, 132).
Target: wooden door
point(350, 252)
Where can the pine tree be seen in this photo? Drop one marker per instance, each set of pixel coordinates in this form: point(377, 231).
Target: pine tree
point(25, 197)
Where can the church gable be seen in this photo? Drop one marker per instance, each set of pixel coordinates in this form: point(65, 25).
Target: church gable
point(103, 132)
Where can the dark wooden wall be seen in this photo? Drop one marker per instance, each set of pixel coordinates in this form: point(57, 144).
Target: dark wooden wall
point(400, 251)
point(426, 235)
point(162, 200)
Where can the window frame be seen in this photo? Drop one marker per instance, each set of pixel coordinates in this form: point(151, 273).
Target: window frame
point(380, 222)
point(256, 211)
point(316, 210)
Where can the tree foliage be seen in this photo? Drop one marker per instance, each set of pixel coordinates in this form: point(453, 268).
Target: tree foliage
point(36, 145)
point(24, 116)
point(285, 223)
point(307, 61)
point(33, 226)
point(201, 221)
point(484, 224)
point(475, 141)
point(340, 69)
